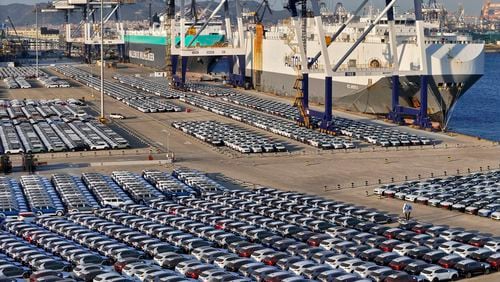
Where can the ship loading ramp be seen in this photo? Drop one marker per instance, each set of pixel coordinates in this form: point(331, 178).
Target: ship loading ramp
point(325, 119)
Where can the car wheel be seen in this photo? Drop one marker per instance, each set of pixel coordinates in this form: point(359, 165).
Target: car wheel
point(435, 280)
point(454, 278)
point(468, 275)
point(487, 271)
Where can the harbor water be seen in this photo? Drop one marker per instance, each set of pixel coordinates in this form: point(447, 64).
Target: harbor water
point(477, 113)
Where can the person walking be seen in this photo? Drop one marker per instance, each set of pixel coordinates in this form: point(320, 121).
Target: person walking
point(405, 210)
point(410, 209)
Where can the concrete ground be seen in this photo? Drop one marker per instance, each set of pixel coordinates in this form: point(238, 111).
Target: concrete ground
point(304, 169)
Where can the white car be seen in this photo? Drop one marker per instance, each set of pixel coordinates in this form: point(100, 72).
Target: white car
point(450, 247)
point(197, 253)
point(116, 116)
point(364, 269)
point(495, 215)
point(493, 245)
point(349, 265)
point(185, 265)
point(300, 266)
point(130, 270)
point(450, 234)
point(335, 261)
point(108, 277)
point(437, 273)
point(466, 250)
point(260, 254)
point(209, 275)
point(224, 259)
point(403, 249)
point(80, 270)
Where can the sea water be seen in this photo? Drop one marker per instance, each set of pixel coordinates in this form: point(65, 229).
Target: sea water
point(477, 113)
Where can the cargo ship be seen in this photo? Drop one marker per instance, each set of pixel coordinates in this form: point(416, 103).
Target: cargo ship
point(455, 63)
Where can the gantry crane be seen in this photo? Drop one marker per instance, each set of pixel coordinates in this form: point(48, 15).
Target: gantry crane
point(301, 82)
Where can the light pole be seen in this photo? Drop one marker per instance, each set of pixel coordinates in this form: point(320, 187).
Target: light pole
point(167, 145)
point(101, 117)
point(36, 38)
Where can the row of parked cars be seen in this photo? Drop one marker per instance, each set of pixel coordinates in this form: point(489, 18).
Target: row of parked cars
point(197, 180)
point(41, 195)
point(379, 135)
point(476, 193)
point(139, 100)
point(269, 123)
point(422, 239)
point(211, 90)
point(139, 189)
point(154, 85)
point(28, 72)
point(373, 134)
point(218, 234)
point(239, 139)
point(74, 194)
point(15, 83)
point(52, 256)
point(167, 183)
point(12, 201)
point(53, 126)
point(53, 82)
point(64, 193)
point(23, 84)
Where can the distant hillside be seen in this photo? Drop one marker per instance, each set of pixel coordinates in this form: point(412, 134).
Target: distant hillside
point(23, 15)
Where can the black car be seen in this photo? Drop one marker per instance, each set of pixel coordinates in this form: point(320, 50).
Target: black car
point(416, 267)
point(283, 244)
point(365, 226)
point(304, 235)
point(464, 237)
point(375, 241)
point(481, 254)
point(418, 252)
point(370, 254)
point(434, 243)
point(434, 256)
point(385, 258)
point(468, 268)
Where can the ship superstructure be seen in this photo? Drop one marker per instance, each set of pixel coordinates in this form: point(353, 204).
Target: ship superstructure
point(454, 61)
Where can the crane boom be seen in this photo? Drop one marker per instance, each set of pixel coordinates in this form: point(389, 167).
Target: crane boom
point(12, 25)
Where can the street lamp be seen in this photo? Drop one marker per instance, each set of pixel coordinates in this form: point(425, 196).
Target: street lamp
point(36, 38)
point(102, 118)
point(167, 145)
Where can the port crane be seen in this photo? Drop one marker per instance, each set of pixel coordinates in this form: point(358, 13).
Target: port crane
point(260, 12)
point(301, 83)
point(18, 38)
point(235, 47)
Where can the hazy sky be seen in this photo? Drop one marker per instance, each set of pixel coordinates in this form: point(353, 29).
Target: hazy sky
point(472, 7)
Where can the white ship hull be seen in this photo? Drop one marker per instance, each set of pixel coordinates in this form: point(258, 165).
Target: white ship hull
point(453, 68)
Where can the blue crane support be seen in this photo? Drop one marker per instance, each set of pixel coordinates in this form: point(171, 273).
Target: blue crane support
point(398, 112)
